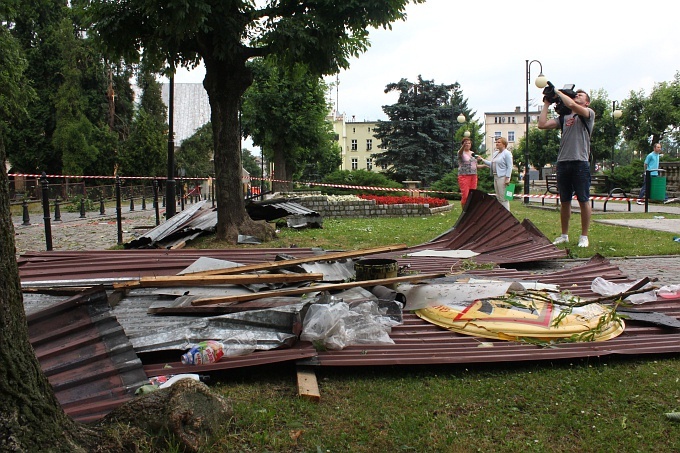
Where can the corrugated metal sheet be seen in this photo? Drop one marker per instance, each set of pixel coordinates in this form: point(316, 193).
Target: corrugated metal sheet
point(189, 223)
point(86, 355)
point(485, 228)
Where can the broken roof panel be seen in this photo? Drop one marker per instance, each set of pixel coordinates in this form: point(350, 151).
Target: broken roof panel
point(84, 352)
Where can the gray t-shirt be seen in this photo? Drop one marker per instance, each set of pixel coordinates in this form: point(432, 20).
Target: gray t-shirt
point(575, 143)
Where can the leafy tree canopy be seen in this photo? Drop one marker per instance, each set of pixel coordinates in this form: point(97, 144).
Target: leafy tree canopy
point(418, 136)
point(284, 112)
point(544, 145)
point(322, 34)
point(650, 119)
point(195, 155)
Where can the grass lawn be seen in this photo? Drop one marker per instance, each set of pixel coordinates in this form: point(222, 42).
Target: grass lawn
point(355, 234)
point(590, 405)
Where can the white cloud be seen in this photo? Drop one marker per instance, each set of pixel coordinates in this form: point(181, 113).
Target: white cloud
point(617, 47)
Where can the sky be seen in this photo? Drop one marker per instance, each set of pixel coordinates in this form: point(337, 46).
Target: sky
point(618, 47)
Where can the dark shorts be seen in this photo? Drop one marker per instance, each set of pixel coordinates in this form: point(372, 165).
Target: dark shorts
point(573, 178)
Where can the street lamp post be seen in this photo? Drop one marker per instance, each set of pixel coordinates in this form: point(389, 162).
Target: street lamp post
point(616, 114)
point(541, 82)
point(170, 209)
point(461, 119)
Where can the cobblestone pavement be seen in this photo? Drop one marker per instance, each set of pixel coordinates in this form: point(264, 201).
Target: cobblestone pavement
point(97, 232)
point(94, 232)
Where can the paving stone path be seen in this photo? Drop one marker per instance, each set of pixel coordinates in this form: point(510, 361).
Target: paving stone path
point(94, 232)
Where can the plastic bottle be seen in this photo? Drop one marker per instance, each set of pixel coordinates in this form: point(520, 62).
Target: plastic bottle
point(676, 238)
point(209, 351)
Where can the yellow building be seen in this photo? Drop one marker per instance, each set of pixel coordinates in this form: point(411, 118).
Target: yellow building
point(357, 142)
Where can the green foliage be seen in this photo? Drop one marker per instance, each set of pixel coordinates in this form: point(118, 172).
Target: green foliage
point(544, 145)
point(144, 153)
point(14, 90)
point(606, 131)
point(418, 136)
point(627, 177)
point(648, 120)
point(449, 183)
point(359, 178)
point(284, 111)
point(196, 152)
point(70, 106)
point(250, 163)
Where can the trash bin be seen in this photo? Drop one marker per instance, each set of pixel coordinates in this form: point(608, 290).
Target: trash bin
point(657, 192)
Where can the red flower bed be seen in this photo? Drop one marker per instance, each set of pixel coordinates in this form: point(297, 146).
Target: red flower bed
point(433, 202)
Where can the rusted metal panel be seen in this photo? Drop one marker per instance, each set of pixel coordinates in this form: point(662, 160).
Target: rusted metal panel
point(485, 227)
point(85, 355)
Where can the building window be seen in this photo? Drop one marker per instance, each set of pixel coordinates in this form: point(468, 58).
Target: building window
point(511, 136)
point(369, 144)
point(355, 145)
point(369, 129)
point(496, 135)
point(355, 164)
point(369, 164)
point(383, 166)
point(354, 130)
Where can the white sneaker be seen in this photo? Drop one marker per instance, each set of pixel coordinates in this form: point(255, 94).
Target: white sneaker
point(583, 241)
point(561, 240)
point(640, 202)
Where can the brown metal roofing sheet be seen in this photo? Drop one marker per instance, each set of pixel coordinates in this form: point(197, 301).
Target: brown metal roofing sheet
point(85, 355)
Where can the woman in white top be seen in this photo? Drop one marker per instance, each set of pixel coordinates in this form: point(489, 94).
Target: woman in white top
point(501, 169)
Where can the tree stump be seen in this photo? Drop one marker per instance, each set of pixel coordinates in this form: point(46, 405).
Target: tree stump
point(187, 409)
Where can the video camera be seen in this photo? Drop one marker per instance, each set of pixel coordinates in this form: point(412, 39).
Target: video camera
point(550, 95)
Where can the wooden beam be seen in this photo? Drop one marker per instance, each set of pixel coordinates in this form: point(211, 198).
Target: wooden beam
point(193, 280)
point(287, 263)
point(311, 289)
point(308, 387)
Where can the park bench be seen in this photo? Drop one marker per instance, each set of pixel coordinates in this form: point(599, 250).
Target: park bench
point(599, 187)
point(551, 187)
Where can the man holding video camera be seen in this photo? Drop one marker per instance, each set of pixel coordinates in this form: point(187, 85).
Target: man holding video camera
point(576, 120)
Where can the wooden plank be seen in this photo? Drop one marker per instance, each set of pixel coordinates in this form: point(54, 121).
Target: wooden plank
point(193, 280)
point(287, 263)
point(308, 387)
point(311, 289)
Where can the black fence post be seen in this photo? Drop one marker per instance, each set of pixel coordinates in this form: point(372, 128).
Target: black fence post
point(181, 194)
point(143, 198)
point(46, 211)
point(102, 208)
point(155, 202)
point(82, 208)
point(26, 219)
point(57, 209)
point(132, 203)
point(119, 218)
point(648, 188)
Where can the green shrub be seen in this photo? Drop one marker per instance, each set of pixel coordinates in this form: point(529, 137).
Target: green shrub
point(359, 178)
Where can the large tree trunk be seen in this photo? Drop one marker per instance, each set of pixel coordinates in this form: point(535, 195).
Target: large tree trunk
point(225, 83)
point(282, 177)
point(31, 418)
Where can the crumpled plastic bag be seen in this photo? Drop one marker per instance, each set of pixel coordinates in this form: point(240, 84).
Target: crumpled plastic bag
point(607, 288)
point(669, 291)
point(337, 325)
